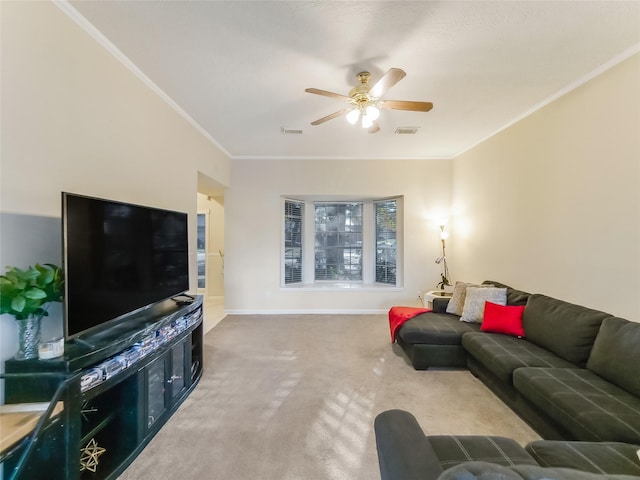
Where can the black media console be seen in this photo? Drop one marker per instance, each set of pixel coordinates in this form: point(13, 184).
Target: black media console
point(127, 382)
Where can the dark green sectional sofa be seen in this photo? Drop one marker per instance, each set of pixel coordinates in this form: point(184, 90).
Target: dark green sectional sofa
point(406, 453)
point(575, 375)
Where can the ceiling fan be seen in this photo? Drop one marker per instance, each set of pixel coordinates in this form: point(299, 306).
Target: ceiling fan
point(365, 102)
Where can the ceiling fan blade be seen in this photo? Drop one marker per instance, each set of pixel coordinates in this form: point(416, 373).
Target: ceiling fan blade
point(388, 80)
point(317, 91)
point(406, 105)
point(374, 128)
point(332, 116)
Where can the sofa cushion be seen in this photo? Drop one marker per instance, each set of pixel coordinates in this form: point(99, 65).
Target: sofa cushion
point(490, 471)
point(528, 472)
point(439, 304)
point(589, 407)
point(475, 299)
point(435, 329)
point(566, 329)
point(452, 450)
point(502, 354)
point(514, 297)
point(595, 457)
point(479, 471)
point(616, 353)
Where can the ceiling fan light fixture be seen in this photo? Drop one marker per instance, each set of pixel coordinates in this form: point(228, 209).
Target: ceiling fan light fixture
point(373, 112)
point(367, 121)
point(364, 101)
point(353, 115)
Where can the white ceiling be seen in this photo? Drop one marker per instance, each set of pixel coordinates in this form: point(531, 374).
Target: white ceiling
point(238, 69)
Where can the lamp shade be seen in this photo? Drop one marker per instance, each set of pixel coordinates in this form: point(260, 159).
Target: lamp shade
point(373, 113)
point(353, 115)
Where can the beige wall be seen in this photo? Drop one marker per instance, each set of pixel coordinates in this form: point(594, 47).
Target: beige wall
point(549, 205)
point(552, 204)
point(74, 119)
point(254, 223)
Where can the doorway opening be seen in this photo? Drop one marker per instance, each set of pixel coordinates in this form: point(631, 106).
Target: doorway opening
point(210, 253)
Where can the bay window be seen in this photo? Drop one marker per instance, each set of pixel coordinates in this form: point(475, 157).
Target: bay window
point(346, 243)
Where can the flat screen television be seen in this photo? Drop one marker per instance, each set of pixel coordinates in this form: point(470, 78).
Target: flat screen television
point(118, 258)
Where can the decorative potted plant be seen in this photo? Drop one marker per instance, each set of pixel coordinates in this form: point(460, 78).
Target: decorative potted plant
point(26, 294)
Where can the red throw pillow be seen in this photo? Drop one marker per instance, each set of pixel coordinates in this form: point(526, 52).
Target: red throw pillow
point(505, 319)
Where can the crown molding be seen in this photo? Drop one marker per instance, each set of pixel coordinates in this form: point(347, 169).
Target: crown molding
point(103, 41)
point(621, 57)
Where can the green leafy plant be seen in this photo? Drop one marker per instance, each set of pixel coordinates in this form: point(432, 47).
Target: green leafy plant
point(26, 293)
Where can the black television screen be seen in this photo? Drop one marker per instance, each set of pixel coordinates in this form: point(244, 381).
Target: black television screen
point(119, 258)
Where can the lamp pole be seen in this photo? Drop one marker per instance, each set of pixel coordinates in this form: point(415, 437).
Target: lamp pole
point(444, 276)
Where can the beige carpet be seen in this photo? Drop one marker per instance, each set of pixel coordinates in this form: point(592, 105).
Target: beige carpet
point(293, 397)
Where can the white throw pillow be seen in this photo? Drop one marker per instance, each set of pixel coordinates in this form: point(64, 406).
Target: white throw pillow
point(475, 299)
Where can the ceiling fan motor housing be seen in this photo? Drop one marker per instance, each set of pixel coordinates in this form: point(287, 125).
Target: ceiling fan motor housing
point(360, 94)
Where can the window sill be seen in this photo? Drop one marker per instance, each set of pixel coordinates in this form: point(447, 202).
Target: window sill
point(338, 286)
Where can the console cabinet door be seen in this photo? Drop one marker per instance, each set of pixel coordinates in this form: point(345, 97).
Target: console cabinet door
point(156, 375)
point(167, 381)
point(177, 381)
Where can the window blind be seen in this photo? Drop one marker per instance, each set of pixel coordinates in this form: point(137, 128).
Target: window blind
point(338, 241)
point(293, 228)
point(386, 241)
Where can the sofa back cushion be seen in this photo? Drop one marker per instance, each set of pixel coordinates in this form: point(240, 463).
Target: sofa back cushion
point(514, 297)
point(566, 329)
point(616, 354)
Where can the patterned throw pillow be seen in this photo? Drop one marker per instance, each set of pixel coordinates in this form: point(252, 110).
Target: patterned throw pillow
point(475, 299)
point(456, 304)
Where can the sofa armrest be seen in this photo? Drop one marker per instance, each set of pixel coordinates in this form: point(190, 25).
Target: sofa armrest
point(404, 452)
point(440, 304)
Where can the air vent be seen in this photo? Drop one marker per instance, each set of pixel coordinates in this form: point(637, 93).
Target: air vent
point(290, 131)
point(406, 130)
